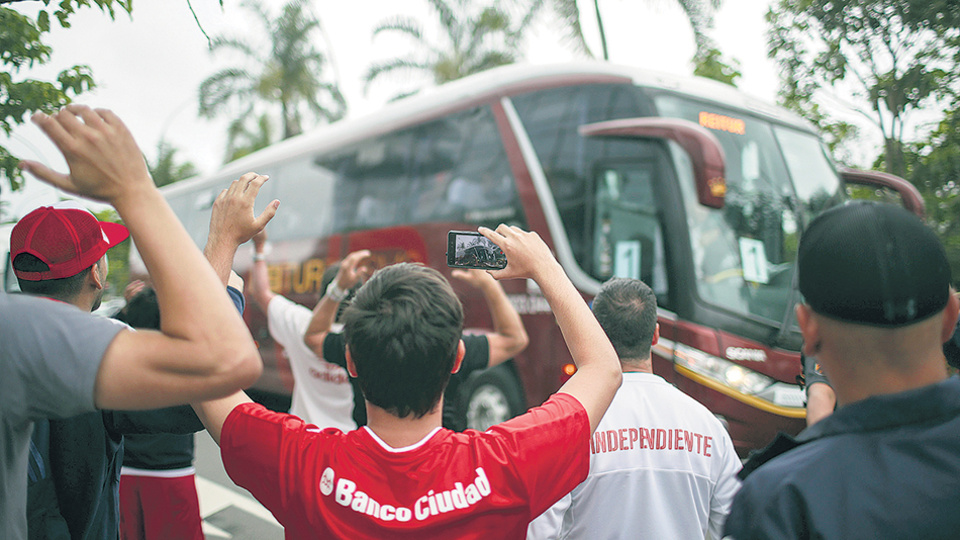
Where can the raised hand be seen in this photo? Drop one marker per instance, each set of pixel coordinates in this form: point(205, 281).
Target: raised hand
point(354, 268)
point(527, 254)
point(104, 160)
point(232, 220)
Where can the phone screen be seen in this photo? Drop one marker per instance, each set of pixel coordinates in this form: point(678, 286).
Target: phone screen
point(467, 249)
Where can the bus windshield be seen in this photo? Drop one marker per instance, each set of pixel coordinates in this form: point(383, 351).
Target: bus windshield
point(778, 179)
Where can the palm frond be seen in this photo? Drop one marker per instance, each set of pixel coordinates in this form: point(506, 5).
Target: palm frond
point(403, 25)
point(569, 15)
point(219, 88)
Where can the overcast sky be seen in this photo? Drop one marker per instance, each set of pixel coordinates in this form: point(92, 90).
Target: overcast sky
point(149, 67)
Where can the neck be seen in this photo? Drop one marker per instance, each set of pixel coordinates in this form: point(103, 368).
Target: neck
point(865, 361)
point(636, 365)
point(852, 387)
point(400, 432)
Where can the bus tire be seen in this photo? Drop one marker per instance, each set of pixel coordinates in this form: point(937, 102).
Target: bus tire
point(492, 396)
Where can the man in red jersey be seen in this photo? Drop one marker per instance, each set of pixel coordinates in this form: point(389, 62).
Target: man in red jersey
point(403, 475)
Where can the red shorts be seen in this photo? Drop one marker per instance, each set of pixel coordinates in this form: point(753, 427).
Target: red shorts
point(153, 508)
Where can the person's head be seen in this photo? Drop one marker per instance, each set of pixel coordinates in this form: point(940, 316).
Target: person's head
point(142, 310)
point(876, 283)
point(403, 338)
point(627, 311)
point(60, 252)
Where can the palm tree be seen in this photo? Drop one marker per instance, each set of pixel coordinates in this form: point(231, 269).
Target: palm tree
point(474, 38)
point(699, 12)
point(287, 73)
point(167, 169)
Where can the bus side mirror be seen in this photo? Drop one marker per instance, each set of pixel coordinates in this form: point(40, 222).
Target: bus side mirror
point(704, 149)
point(909, 195)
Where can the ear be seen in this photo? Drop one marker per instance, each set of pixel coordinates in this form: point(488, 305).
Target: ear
point(809, 329)
point(351, 367)
point(656, 334)
point(950, 314)
point(461, 350)
point(96, 278)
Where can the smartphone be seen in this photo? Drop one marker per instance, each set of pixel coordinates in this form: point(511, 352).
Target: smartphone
point(470, 249)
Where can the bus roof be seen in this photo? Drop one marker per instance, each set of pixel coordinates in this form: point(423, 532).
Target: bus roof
point(483, 87)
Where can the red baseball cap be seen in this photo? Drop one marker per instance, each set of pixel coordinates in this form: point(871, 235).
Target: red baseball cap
point(68, 240)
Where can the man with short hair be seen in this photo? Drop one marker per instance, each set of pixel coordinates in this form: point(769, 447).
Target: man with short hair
point(661, 464)
point(403, 475)
point(57, 361)
point(886, 464)
point(322, 393)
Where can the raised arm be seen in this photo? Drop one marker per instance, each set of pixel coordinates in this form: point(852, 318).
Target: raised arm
point(259, 277)
point(352, 270)
point(598, 373)
point(509, 336)
point(232, 222)
point(204, 349)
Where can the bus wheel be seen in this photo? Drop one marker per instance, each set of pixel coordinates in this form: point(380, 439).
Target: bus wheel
point(492, 396)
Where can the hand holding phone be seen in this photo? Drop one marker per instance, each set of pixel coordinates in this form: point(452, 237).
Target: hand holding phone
point(470, 249)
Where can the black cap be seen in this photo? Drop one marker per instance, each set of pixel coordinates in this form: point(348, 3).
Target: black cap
point(874, 264)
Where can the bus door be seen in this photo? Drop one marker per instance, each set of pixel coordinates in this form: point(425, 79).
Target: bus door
point(625, 223)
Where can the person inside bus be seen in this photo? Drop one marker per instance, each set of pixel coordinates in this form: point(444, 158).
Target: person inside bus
point(402, 472)
point(886, 464)
point(322, 391)
point(482, 350)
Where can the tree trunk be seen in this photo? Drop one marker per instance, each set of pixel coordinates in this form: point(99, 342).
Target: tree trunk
point(603, 35)
point(895, 161)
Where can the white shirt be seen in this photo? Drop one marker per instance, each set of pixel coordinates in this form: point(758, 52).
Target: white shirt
point(661, 466)
point(322, 394)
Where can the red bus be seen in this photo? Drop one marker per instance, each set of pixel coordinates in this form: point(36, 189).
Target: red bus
point(690, 185)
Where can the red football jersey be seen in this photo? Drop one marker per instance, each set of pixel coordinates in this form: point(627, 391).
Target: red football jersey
point(330, 484)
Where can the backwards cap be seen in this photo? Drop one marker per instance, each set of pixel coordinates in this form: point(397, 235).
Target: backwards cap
point(873, 264)
point(68, 240)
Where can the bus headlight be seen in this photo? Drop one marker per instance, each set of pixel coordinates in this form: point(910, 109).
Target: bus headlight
point(737, 377)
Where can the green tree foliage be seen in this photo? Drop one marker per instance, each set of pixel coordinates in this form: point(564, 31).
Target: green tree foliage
point(166, 169)
point(285, 75)
point(22, 47)
point(243, 141)
point(475, 37)
point(699, 13)
point(883, 58)
point(933, 165)
point(710, 63)
point(118, 258)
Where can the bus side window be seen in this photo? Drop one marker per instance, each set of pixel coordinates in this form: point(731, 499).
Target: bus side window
point(305, 190)
point(461, 173)
point(372, 180)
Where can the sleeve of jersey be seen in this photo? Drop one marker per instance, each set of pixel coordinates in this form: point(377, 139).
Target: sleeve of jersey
point(334, 347)
point(476, 355)
point(260, 452)
point(237, 297)
point(286, 321)
point(549, 448)
point(53, 353)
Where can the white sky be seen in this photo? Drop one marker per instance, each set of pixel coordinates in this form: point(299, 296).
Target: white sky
point(149, 68)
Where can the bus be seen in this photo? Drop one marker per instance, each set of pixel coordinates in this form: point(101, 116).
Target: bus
point(692, 186)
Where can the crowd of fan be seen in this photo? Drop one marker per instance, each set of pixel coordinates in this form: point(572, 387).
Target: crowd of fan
point(98, 415)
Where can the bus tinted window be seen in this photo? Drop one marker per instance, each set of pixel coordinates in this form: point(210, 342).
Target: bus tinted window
point(744, 252)
point(462, 173)
point(452, 169)
point(605, 189)
point(305, 190)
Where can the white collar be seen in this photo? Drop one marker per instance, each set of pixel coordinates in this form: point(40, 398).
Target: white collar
point(413, 446)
